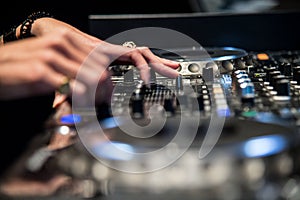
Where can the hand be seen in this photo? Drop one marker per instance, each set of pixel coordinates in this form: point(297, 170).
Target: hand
point(141, 57)
point(37, 65)
point(41, 64)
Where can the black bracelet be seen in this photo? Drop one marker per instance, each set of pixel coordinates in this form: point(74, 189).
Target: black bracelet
point(25, 30)
point(10, 35)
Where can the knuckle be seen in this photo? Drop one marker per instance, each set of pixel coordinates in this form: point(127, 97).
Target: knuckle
point(135, 54)
point(62, 34)
point(143, 48)
point(57, 39)
point(47, 55)
point(38, 71)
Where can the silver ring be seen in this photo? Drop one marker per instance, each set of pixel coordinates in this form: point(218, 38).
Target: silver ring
point(129, 44)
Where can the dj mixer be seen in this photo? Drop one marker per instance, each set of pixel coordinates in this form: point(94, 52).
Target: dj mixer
point(226, 128)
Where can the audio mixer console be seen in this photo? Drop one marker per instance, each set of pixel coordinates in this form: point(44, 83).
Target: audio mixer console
point(227, 125)
point(227, 128)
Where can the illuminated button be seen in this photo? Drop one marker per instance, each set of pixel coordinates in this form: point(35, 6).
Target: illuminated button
point(240, 76)
point(223, 111)
point(264, 146)
point(247, 90)
point(244, 80)
point(70, 119)
point(250, 113)
point(240, 72)
point(262, 56)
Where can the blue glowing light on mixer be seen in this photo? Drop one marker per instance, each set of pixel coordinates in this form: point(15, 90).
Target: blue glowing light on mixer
point(223, 112)
point(110, 122)
point(70, 119)
point(264, 146)
point(112, 150)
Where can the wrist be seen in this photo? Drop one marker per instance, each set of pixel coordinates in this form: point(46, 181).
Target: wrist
point(9, 36)
point(25, 29)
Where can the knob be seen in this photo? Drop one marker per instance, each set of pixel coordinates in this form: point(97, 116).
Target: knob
point(194, 68)
point(239, 64)
point(283, 87)
point(272, 74)
point(268, 71)
point(276, 78)
point(227, 66)
point(285, 69)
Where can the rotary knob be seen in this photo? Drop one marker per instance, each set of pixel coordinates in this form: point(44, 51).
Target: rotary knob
point(194, 68)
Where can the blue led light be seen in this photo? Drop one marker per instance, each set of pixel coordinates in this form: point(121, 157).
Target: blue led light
point(113, 150)
point(109, 123)
point(224, 58)
point(264, 146)
point(70, 119)
point(223, 112)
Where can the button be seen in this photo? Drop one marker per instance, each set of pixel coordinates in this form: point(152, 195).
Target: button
point(262, 56)
point(194, 68)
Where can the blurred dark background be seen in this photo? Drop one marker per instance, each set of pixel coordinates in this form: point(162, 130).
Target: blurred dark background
point(76, 12)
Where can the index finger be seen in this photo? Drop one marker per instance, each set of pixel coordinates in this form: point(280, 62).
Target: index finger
point(162, 66)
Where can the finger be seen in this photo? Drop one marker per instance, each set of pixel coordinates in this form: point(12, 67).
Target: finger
point(55, 80)
point(64, 65)
point(164, 70)
point(169, 63)
point(98, 90)
point(158, 64)
point(41, 80)
point(141, 64)
point(55, 52)
point(59, 99)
